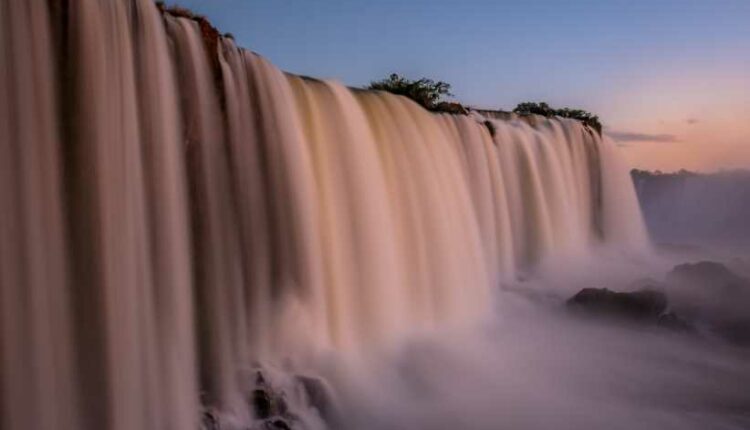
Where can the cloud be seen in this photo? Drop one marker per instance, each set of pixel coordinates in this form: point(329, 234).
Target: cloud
point(692, 121)
point(626, 136)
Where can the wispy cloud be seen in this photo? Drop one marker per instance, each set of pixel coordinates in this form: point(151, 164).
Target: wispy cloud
point(692, 121)
point(626, 136)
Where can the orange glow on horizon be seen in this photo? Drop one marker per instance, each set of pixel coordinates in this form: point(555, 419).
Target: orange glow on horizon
point(700, 121)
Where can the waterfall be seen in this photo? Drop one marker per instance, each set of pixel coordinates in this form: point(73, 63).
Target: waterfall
point(174, 208)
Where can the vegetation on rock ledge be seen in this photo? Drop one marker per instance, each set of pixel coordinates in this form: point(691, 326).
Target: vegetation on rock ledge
point(426, 92)
point(544, 109)
point(429, 94)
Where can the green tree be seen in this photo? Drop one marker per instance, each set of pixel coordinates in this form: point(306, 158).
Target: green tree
point(528, 108)
point(425, 92)
point(544, 109)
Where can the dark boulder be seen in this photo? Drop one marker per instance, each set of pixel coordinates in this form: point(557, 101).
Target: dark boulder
point(262, 403)
point(640, 306)
point(269, 404)
point(266, 401)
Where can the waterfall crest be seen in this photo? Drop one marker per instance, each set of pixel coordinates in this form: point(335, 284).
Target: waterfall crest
point(174, 209)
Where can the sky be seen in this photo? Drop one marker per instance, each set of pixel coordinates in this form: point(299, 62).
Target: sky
point(670, 79)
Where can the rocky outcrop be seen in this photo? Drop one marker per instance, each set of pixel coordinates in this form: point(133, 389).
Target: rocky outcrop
point(269, 405)
point(453, 108)
point(708, 274)
point(211, 38)
point(706, 295)
point(714, 296)
point(639, 306)
point(280, 401)
point(691, 210)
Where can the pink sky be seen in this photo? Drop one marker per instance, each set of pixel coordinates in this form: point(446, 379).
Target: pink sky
point(696, 118)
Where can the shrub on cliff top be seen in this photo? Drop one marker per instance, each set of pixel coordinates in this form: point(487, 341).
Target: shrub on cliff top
point(425, 92)
point(544, 109)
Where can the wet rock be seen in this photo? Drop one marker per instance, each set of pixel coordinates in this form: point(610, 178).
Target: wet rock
point(267, 403)
point(277, 424)
point(320, 397)
point(210, 420)
point(262, 403)
point(490, 128)
point(640, 306)
point(265, 400)
point(274, 411)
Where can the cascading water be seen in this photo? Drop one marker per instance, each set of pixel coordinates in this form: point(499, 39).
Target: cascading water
point(174, 209)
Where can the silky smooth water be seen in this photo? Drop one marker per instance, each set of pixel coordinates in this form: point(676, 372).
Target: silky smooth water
point(175, 209)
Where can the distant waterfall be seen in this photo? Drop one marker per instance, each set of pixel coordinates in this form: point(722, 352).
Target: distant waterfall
point(174, 208)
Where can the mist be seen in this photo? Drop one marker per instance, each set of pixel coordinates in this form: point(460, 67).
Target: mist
point(708, 210)
point(191, 237)
point(535, 363)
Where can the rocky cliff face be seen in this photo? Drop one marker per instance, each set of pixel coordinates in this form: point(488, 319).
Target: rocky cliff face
point(696, 209)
